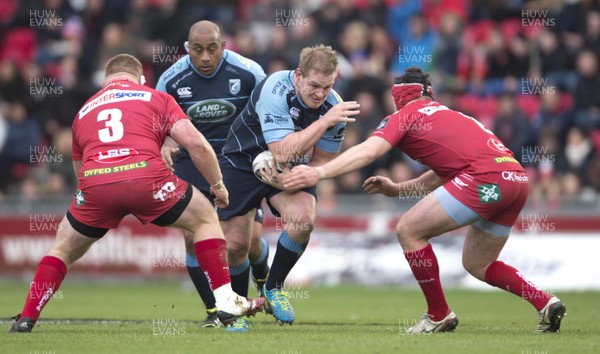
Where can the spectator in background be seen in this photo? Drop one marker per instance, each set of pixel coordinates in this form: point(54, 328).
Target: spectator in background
point(587, 94)
point(511, 126)
point(447, 49)
point(542, 169)
point(59, 111)
point(416, 47)
point(591, 38)
point(553, 61)
point(23, 136)
point(12, 86)
point(551, 115)
point(577, 155)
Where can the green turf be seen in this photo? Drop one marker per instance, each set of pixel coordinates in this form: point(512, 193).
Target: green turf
point(348, 319)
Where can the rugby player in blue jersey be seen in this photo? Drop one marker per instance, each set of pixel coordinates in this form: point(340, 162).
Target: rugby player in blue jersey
point(291, 113)
point(212, 85)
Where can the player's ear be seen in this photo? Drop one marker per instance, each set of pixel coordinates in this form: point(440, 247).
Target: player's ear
point(142, 79)
point(223, 43)
point(186, 45)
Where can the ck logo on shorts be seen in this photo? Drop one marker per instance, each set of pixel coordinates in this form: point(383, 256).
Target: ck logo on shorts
point(79, 199)
point(489, 193)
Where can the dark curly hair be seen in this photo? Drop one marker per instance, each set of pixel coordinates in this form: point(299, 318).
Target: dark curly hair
point(414, 74)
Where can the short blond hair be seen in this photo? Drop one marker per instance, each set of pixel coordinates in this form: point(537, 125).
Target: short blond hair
point(123, 63)
point(320, 58)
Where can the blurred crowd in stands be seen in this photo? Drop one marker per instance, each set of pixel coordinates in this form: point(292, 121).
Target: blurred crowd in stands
point(528, 70)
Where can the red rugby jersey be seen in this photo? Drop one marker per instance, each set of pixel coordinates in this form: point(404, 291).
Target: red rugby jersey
point(119, 131)
point(447, 141)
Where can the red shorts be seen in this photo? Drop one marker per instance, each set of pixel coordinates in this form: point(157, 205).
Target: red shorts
point(496, 196)
point(103, 206)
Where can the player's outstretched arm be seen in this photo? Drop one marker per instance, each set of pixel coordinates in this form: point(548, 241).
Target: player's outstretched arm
point(352, 159)
point(203, 156)
point(427, 182)
point(299, 143)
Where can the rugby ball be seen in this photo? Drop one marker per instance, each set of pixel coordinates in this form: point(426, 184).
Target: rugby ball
point(262, 160)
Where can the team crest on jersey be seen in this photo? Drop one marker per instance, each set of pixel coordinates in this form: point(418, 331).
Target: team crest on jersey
point(295, 112)
point(234, 86)
point(184, 92)
point(383, 123)
point(497, 146)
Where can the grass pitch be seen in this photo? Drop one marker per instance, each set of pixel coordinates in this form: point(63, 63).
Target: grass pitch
point(162, 318)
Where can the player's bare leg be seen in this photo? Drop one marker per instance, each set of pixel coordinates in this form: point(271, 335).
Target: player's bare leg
point(297, 211)
point(210, 248)
point(238, 231)
point(480, 254)
point(422, 222)
point(69, 246)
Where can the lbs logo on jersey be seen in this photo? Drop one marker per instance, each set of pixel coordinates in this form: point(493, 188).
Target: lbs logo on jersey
point(211, 111)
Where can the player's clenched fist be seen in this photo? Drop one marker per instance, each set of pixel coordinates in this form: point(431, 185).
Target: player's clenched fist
point(341, 113)
point(221, 194)
point(383, 185)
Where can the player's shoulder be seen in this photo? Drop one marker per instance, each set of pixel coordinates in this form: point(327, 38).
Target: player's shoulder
point(279, 83)
point(242, 63)
point(334, 98)
point(120, 91)
point(174, 70)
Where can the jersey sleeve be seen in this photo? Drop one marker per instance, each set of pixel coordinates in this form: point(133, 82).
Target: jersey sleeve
point(390, 129)
point(273, 114)
point(331, 141)
point(161, 85)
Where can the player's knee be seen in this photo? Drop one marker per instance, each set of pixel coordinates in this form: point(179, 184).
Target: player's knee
point(237, 251)
point(301, 221)
point(300, 224)
point(403, 232)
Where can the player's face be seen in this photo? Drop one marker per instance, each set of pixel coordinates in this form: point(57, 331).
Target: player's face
point(206, 51)
point(313, 88)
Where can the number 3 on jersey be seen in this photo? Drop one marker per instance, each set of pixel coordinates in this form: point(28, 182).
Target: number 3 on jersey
point(113, 130)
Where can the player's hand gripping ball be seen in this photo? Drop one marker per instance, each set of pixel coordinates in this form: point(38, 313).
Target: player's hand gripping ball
point(262, 167)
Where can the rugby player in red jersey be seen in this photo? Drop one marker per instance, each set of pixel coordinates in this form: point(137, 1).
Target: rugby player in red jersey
point(117, 137)
point(475, 181)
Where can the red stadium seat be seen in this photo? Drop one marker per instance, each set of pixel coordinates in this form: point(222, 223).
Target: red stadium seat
point(19, 45)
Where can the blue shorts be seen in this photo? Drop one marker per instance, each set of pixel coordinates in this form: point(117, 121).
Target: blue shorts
point(187, 171)
point(463, 215)
point(246, 192)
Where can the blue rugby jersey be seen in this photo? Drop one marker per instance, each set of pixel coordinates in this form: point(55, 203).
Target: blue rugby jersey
point(274, 111)
point(212, 102)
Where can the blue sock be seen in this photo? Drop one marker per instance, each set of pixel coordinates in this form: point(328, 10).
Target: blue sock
point(240, 277)
point(287, 254)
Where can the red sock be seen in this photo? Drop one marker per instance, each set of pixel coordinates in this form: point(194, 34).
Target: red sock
point(424, 266)
point(49, 274)
point(212, 257)
point(507, 278)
